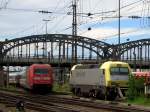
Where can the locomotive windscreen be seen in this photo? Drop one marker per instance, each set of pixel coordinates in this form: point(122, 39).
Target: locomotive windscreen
point(119, 71)
point(40, 71)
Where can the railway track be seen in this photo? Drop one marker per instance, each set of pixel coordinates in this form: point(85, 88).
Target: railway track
point(29, 104)
point(51, 103)
point(114, 106)
point(35, 103)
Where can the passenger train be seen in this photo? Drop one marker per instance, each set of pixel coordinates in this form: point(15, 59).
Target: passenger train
point(36, 77)
point(105, 82)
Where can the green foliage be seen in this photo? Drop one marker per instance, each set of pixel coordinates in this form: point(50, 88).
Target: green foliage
point(141, 100)
point(131, 90)
point(9, 87)
point(61, 88)
point(136, 87)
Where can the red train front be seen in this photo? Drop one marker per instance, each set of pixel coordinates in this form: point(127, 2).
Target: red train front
point(37, 76)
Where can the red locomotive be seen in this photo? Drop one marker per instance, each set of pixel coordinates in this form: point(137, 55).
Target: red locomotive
point(36, 76)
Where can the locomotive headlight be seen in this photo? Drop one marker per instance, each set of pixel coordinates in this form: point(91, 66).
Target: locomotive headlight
point(36, 78)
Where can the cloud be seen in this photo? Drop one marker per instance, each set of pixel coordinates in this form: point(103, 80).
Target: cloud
point(32, 4)
point(108, 33)
point(103, 33)
point(99, 33)
point(15, 21)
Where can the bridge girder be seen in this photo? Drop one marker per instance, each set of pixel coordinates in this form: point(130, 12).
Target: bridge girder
point(88, 43)
point(132, 44)
point(103, 50)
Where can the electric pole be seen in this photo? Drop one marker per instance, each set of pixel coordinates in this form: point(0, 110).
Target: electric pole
point(74, 31)
point(46, 21)
point(119, 28)
point(45, 43)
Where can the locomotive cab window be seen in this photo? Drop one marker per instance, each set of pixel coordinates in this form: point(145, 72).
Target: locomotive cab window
point(119, 71)
point(40, 71)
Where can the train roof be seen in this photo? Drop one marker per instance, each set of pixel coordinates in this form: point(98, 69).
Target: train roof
point(109, 63)
point(103, 66)
point(35, 65)
point(76, 66)
point(83, 66)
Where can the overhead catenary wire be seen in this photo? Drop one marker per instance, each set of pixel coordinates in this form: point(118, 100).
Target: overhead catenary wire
point(107, 17)
point(148, 13)
point(61, 19)
point(57, 12)
point(147, 16)
point(4, 3)
point(111, 11)
point(86, 14)
point(143, 14)
point(34, 10)
point(96, 4)
point(1, 4)
point(98, 22)
point(28, 28)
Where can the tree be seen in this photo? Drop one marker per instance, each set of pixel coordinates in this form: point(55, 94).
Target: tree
point(136, 87)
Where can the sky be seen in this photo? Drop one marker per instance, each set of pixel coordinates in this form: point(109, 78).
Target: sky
point(20, 18)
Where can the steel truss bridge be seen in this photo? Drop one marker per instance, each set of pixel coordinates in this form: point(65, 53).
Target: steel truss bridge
point(66, 50)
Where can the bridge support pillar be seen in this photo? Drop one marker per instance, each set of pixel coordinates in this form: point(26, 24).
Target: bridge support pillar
point(3, 77)
point(1, 52)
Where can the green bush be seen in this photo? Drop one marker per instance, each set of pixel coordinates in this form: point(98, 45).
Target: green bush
point(136, 87)
point(64, 88)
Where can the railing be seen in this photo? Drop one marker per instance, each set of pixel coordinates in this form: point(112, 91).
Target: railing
point(48, 60)
point(137, 61)
point(69, 60)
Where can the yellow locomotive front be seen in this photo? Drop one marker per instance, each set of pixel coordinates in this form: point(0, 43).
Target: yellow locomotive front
point(116, 76)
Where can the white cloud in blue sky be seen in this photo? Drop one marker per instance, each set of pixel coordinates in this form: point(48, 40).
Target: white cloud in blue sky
point(130, 28)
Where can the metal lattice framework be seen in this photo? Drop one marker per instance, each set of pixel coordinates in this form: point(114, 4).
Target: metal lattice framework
point(133, 44)
point(29, 50)
point(15, 46)
point(135, 52)
point(81, 41)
